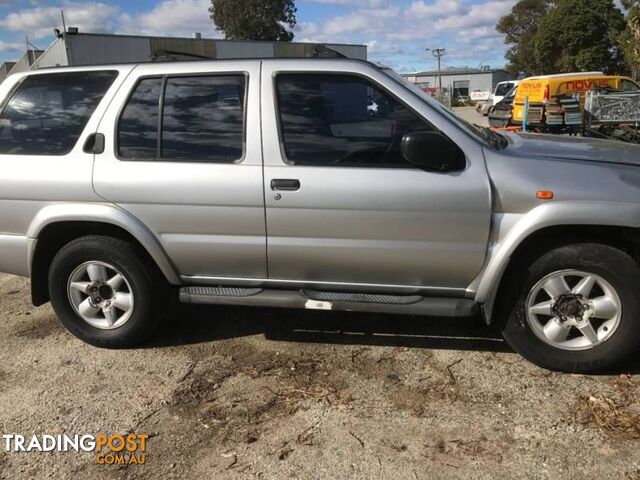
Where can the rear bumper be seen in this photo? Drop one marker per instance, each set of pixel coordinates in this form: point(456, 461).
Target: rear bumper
point(15, 254)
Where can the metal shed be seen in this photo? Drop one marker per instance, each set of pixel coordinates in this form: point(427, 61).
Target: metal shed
point(90, 49)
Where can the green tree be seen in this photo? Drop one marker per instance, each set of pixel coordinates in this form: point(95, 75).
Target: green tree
point(520, 27)
point(630, 39)
point(580, 35)
point(254, 19)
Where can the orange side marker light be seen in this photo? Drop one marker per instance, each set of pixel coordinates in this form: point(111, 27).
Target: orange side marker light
point(544, 195)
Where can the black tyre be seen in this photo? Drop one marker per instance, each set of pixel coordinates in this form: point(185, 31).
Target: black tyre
point(577, 309)
point(103, 292)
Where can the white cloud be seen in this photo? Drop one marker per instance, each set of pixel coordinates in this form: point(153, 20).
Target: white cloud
point(11, 47)
point(38, 22)
point(392, 29)
point(478, 15)
point(167, 18)
point(332, 2)
point(172, 18)
point(440, 8)
point(395, 30)
point(374, 48)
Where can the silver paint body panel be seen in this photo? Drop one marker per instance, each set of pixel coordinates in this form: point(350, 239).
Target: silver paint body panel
point(357, 229)
point(209, 217)
point(368, 225)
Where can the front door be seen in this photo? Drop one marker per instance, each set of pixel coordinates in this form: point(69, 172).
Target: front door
point(342, 204)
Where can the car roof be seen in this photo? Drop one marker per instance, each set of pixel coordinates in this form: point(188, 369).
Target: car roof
point(187, 63)
point(562, 75)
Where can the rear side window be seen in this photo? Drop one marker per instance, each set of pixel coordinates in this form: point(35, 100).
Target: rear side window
point(342, 120)
point(138, 131)
point(47, 113)
point(189, 119)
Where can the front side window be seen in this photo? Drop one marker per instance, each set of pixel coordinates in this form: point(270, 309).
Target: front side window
point(200, 119)
point(47, 113)
point(342, 120)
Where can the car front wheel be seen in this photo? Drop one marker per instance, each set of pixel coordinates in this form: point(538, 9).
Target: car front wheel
point(578, 309)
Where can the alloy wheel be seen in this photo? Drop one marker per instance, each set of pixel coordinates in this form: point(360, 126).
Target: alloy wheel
point(101, 295)
point(573, 310)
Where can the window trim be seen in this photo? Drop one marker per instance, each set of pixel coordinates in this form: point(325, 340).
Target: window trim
point(13, 91)
point(164, 77)
point(372, 82)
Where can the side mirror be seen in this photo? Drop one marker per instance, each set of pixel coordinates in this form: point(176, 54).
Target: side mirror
point(432, 151)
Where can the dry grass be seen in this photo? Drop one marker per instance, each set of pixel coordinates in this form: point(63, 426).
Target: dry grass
point(612, 417)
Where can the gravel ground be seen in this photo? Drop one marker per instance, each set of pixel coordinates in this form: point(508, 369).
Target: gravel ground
point(471, 115)
point(232, 393)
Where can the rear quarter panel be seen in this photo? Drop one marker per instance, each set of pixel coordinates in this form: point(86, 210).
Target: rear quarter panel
point(30, 183)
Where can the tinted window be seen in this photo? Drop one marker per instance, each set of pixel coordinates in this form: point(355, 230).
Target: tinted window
point(47, 113)
point(138, 128)
point(203, 118)
point(342, 120)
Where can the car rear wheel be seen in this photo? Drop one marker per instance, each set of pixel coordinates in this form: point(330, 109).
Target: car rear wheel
point(103, 292)
point(578, 309)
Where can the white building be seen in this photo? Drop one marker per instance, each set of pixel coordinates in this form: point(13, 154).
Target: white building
point(460, 81)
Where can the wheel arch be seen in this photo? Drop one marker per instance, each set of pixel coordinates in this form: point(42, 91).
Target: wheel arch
point(550, 226)
point(56, 225)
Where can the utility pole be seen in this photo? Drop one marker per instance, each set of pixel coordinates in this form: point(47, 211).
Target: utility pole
point(438, 53)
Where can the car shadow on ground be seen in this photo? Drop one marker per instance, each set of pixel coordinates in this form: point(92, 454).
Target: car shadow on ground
point(193, 324)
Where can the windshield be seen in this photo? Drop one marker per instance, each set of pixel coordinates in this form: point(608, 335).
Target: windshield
point(484, 134)
point(503, 88)
point(628, 86)
point(511, 93)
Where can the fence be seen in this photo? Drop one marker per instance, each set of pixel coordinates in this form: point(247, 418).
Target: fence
point(443, 97)
point(604, 107)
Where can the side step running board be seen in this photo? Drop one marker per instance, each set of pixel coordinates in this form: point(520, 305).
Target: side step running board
point(314, 300)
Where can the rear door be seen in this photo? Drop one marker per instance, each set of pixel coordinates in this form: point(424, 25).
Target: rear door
point(183, 155)
point(342, 205)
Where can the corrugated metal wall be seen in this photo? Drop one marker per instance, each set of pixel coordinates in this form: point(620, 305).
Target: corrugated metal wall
point(203, 47)
point(102, 49)
point(91, 49)
point(26, 61)
point(54, 55)
point(231, 49)
point(5, 68)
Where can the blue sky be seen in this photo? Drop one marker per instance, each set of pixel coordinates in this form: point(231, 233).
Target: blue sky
point(397, 32)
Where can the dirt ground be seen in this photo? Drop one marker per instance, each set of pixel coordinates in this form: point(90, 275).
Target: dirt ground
point(234, 393)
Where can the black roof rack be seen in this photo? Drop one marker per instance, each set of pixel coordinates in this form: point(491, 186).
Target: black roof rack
point(322, 51)
point(171, 55)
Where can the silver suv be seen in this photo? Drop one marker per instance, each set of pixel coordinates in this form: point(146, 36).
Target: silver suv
point(268, 183)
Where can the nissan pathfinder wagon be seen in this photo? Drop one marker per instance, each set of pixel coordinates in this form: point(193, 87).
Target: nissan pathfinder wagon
point(268, 183)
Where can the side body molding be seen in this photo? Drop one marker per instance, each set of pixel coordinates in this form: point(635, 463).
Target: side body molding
point(614, 214)
point(103, 213)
